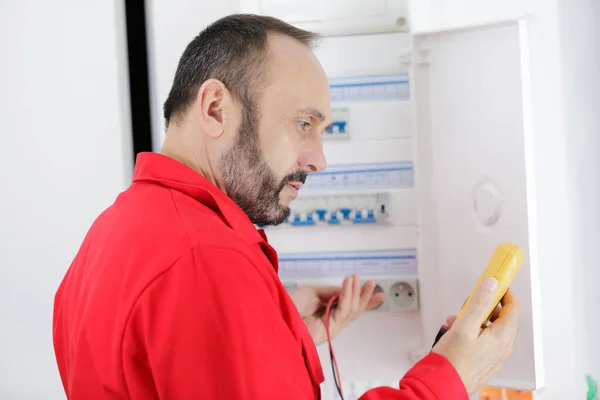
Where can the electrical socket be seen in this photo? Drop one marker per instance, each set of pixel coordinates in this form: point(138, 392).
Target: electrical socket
point(402, 292)
point(402, 295)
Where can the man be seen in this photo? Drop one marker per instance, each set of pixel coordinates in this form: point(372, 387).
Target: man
point(174, 293)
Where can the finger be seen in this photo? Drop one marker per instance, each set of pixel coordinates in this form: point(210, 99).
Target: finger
point(450, 320)
point(327, 292)
point(371, 296)
point(355, 295)
point(366, 294)
point(495, 313)
point(377, 298)
point(509, 298)
point(344, 307)
point(376, 301)
point(478, 308)
point(508, 318)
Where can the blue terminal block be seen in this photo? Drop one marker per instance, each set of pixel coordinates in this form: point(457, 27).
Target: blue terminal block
point(336, 217)
point(358, 219)
point(334, 220)
point(338, 127)
point(296, 220)
point(321, 212)
point(346, 213)
point(370, 219)
point(371, 216)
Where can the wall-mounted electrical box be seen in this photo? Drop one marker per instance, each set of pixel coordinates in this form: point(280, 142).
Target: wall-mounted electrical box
point(447, 145)
point(435, 127)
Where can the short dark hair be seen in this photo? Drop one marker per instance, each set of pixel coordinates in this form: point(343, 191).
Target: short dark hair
point(231, 50)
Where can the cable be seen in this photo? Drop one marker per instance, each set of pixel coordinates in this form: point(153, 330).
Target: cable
point(335, 375)
point(334, 367)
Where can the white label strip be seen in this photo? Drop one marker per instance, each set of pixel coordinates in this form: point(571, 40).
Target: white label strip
point(334, 264)
point(382, 87)
point(363, 176)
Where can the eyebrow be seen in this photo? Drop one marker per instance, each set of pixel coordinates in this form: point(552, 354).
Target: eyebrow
point(314, 112)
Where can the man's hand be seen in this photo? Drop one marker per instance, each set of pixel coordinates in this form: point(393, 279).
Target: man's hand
point(476, 353)
point(353, 301)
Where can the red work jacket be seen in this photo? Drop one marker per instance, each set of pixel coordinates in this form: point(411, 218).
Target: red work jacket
point(174, 294)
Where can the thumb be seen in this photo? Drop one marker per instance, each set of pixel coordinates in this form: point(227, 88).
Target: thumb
point(477, 307)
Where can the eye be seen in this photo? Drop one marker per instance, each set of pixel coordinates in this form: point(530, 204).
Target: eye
point(305, 126)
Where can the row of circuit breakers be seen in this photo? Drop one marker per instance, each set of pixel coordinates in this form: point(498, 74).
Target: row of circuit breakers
point(349, 194)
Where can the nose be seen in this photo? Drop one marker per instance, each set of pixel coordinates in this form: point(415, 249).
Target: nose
point(313, 159)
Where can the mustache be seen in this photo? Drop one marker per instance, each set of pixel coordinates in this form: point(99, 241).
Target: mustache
point(298, 176)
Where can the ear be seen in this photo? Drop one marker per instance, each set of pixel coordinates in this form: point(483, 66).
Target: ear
point(212, 103)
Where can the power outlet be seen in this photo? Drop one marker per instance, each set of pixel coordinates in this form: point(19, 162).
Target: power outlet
point(402, 293)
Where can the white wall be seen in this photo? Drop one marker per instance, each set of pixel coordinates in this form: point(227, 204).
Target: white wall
point(564, 377)
point(65, 156)
point(171, 25)
point(580, 45)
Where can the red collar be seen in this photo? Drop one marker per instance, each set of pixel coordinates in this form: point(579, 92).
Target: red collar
point(167, 172)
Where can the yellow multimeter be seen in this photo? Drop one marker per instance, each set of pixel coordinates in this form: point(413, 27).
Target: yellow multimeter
point(506, 261)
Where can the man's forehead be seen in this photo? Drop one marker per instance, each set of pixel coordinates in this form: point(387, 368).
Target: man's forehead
point(296, 74)
point(287, 56)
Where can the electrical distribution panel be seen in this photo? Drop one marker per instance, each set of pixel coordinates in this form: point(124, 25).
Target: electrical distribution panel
point(434, 161)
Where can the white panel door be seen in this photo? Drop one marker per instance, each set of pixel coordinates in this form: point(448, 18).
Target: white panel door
point(474, 176)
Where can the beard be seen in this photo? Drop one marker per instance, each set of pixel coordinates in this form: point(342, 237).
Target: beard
point(249, 180)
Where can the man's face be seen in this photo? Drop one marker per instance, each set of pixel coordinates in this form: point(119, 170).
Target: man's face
point(279, 140)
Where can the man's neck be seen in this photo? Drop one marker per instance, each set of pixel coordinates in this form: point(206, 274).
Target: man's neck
point(176, 148)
